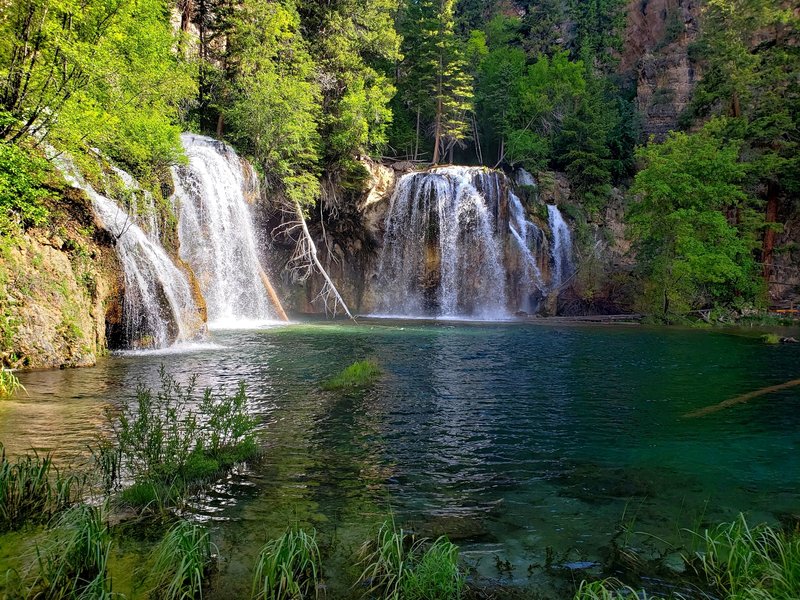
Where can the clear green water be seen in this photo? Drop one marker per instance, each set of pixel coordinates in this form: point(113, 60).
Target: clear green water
point(509, 438)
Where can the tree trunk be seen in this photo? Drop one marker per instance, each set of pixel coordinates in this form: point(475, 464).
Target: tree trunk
point(416, 140)
point(437, 132)
point(769, 234)
point(220, 126)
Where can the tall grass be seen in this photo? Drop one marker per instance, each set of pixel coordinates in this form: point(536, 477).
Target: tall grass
point(181, 562)
point(288, 567)
point(607, 589)
point(398, 567)
point(31, 489)
point(435, 575)
point(9, 384)
point(358, 375)
point(385, 561)
point(167, 442)
point(744, 562)
point(73, 562)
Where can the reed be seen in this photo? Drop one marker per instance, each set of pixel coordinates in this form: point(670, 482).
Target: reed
point(607, 589)
point(182, 561)
point(741, 561)
point(32, 489)
point(9, 383)
point(288, 567)
point(435, 575)
point(72, 564)
point(385, 561)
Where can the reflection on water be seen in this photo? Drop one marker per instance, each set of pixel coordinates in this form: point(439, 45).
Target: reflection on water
point(509, 438)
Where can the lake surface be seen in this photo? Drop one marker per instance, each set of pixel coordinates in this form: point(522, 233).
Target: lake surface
point(524, 443)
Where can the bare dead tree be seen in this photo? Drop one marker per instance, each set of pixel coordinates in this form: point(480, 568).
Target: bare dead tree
point(305, 259)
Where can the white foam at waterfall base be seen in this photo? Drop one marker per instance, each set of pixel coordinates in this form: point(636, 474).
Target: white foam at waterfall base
point(459, 203)
point(159, 304)
point(561, 249)
point(217, 236)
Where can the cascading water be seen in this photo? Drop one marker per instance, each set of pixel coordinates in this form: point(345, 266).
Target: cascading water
point(217, 234)
point(459, 243)
point(142, 205)
point(159, 305)
point(441, 255)
point(561, 249)
point(529, 241)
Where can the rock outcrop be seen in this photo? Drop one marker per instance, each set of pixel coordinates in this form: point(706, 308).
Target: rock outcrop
point(656, 53)
point(58, 288)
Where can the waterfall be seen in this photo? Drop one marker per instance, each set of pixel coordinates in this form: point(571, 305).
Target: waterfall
point(159, 307)
point(459, 242)
point(441, 255)
point(216, 232)
point(529, 241)
point(142, 206)
point(561, 249)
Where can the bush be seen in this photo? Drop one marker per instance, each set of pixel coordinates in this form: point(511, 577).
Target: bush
point(164, 444)
point(21, 188)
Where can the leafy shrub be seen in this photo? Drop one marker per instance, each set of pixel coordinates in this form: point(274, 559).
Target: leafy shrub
point(21, 188)
point(288, 567)
point(166, 442)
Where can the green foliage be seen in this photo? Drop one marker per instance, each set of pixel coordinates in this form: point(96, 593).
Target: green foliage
point(170, 441)
point(744, 562)
point(690, 254)
point(396, 567)
point(181, 562)
point(9, 384)
point(21, 188)
point(607, 589)
point(73, 562)
point(360, 374)
point(435, 575)
point(32, 489)
point(94, 73)
point(288, 567)
point(771, 338)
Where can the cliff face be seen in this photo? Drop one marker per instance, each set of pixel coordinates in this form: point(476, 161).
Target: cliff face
point(58, 287)
point(656, 54)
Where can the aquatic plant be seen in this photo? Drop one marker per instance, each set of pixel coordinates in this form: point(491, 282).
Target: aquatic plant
point(32, 489)
point(435, 575)
point(607, 589)
point(288, 567)
point(360, 374)
point(385, 561)
point(165, 443)
point(9, 383)
point(182, 561)
point(398, 567)
point(741, 561)
point(771, 338)
point(73, 561)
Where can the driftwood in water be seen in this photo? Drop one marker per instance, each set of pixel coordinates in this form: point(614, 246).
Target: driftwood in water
point(741, 399)
point(276, 302)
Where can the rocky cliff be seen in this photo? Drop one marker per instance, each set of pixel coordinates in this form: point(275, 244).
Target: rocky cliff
point(59, 286)
point(656, 54)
